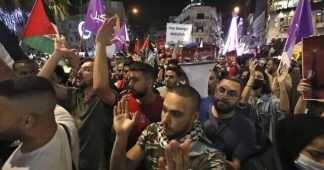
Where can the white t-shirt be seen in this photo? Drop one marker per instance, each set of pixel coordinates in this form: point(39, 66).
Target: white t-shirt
point(162, 90)
point(54, 155)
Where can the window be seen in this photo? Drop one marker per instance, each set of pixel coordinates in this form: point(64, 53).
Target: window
point(200, 16)
point(200, 28)
point(77, 38)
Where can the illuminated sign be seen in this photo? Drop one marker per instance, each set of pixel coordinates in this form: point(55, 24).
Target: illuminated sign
point(85, 34)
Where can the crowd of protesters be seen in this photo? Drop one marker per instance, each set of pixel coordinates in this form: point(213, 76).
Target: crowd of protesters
point(124, 113)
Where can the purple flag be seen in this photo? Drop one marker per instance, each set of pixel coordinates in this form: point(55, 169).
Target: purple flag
point(122, 38)
point(119, 46)
point(95, 17)
point(301, 26)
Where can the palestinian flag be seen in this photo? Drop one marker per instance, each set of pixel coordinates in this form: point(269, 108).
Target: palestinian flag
point(145, 49)
point(39, 27)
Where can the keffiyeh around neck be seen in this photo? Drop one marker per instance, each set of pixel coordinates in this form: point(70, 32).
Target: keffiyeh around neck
point(195, 134)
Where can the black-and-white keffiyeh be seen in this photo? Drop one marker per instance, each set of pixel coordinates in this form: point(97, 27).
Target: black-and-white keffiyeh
point(195, 134)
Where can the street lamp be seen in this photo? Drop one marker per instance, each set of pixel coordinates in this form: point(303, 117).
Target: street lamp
point(132, 13)
point(135, 11)
point(236, 10)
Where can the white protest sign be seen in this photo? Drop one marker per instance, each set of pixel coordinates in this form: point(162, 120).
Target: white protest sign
point(198, 74)
point(178, 32)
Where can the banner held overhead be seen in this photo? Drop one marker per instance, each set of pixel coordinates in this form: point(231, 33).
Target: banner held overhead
point(178, 32)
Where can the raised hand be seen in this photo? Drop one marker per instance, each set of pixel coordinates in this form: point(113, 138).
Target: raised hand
point(303, 86)
point(104, 34)
point(160, 75)
point(123, 122)
point(176, 156)
point(252, 65)
point(61, 47)
point(282, 77)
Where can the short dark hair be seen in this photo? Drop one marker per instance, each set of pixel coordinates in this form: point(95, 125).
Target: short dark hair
point(188, 92)
point(174, 69)
point(220, 73)
point(23, 61)
point(121, 54)
point(173, 61)
point(84, 60)
point(144, 68)
point(235, 79)
point(30, 88)
point(128, 61)
point(26, 86)
point(266, 89)
point(275, 61)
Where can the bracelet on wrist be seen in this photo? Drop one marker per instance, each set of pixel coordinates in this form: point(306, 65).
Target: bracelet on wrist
point(248, 85)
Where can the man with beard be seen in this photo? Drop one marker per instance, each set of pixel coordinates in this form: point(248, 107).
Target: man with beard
point(118, 68)
point(271, 71)
point(226, 127)
point(123, 84)
point(142, 99)
point(207, 102)
point(119, 76)
point(91, 102)
point(178, 124)
point(171, 79)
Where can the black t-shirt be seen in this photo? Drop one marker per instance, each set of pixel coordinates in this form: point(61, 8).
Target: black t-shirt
point(236, 136)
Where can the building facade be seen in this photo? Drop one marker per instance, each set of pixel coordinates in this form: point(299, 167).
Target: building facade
point(206, 22)
point(282, 13)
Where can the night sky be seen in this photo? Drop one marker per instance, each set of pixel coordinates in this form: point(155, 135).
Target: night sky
point(151, 11)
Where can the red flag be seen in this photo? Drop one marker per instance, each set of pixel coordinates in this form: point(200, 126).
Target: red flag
point(137, 45)
point(145, 49)
point(160, 44)
point(40, 24)
point(146, 43)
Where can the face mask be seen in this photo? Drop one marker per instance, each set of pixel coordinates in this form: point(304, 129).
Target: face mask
point(258, 84)
point(305, 163)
